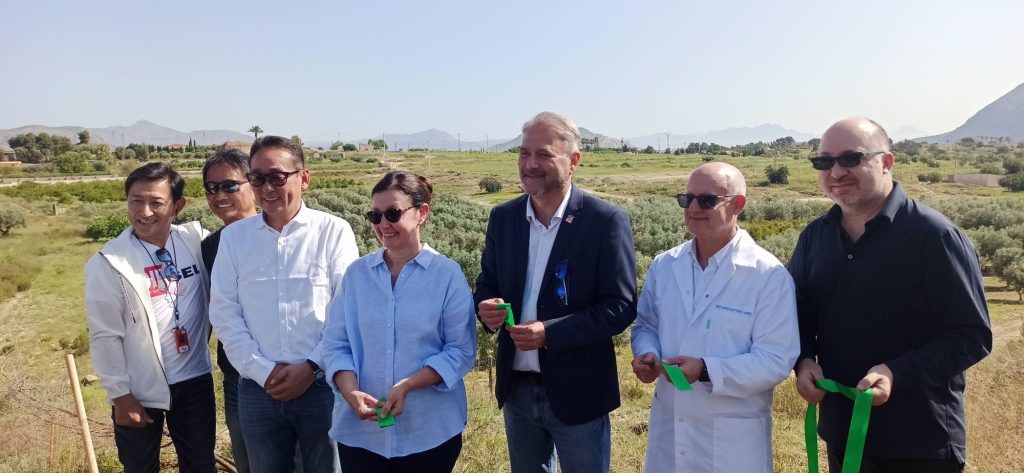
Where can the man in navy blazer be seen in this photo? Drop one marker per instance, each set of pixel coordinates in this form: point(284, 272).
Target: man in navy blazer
point(564, 261)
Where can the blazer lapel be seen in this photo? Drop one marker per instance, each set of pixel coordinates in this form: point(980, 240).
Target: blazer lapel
point(566, 229)
point(521, 237)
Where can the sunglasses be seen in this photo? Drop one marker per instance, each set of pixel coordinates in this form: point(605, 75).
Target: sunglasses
point(706, 201)
point(393, 215)
point(846, 160)
point(276, 179)
point(560, 273)
point(229, 186)
point(170, 270)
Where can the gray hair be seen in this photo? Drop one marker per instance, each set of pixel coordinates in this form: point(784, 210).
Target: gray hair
point(562, 126)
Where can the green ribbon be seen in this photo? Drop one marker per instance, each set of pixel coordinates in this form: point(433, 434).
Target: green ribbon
point(509, 319)
point(858, 426)
point(677, 377)
point(382, 420)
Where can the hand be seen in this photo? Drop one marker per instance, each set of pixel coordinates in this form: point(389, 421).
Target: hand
point(880, 378)
point(362, 404)
point(490, 315)
point(129, 413)
point(528, 336)
point(646, 367)
point(290, 382)
point(807, 372)
point(691, 367)
point(396, 398)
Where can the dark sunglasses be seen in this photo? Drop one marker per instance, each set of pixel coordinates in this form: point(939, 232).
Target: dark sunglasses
point(706, 201)
point(393, 215)
point(846, 160)
point(276, 179)
point(560, 273)
point(229, 186)
point(170, 270)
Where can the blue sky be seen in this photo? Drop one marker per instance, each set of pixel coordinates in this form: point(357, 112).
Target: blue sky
point(354, 69)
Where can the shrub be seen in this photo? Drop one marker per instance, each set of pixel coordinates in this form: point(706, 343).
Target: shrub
point(72, 162)
point(11, 216)
point(990, 168)
point(777, 174)
point(107, 227)
point(930, 177)
point(1013, 165)
point(490, 184)
point(1014, 182)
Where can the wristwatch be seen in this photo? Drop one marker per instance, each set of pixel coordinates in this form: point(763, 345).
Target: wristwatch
point(318, 373)
point(704, 376)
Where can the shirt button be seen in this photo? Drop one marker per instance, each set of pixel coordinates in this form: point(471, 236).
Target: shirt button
point(389, 325)
point(849, 256)
point(680, 419)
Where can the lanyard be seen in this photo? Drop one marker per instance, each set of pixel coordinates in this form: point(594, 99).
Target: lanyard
point(167, 282)
point(858, 426)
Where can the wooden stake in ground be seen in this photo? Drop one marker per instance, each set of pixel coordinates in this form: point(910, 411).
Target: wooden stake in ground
point(90, 455)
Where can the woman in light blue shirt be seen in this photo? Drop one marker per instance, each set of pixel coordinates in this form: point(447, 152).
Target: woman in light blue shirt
point(401, 335)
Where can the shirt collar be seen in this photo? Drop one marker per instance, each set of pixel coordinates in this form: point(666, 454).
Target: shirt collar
point(423, 258)
point(302, 218)
point(721, 255)
point(896, 199)
point(532, 217)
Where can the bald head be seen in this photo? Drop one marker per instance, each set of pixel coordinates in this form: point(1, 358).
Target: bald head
point(723, 176)
point(861, 131)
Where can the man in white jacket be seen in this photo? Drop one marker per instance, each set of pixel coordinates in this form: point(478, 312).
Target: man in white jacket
point(723, 310)
point(146, 305)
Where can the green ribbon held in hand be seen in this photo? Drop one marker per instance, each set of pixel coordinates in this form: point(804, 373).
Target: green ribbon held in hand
point(382, 420)
point(509, 319)
point(677, 377)
point(858, 426)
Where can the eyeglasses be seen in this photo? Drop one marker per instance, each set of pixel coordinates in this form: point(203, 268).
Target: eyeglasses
point(276, 179)
point(229, 186)
point(170, 270)
point(560, 273)
point(846, 160)
point(393, 215)
point(706, 201)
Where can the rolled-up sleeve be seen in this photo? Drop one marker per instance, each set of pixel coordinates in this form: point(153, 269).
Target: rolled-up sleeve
point(458, 329)
point(644, 335)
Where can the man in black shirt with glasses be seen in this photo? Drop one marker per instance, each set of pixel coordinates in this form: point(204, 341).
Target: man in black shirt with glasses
point(889, 297)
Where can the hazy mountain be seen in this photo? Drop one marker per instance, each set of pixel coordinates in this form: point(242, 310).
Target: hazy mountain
point(1004, 117)
point(431, 139)
point(767, 132)
point(603, 141)
point(907, 132)
point(141, 132)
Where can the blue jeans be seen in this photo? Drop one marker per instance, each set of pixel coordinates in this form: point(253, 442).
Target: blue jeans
point(534, 435)
point(191, 423)
point(271, 429)
point(231, 419)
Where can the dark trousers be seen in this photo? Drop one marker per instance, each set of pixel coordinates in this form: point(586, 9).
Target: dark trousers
point(895, 465)
point(191, 423)
point(440, 459)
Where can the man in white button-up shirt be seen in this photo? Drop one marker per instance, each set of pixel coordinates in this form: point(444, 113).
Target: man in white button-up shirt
point(272, 281)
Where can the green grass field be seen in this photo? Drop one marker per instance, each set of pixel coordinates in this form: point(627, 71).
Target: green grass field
point(47, 319)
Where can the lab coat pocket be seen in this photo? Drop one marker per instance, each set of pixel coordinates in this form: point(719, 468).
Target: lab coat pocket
point(742, 445)
point(731, 334)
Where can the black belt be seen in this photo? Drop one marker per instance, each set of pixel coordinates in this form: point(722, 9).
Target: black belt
point(531, 377)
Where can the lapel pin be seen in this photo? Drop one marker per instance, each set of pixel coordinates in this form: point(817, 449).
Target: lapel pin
point(569, 218)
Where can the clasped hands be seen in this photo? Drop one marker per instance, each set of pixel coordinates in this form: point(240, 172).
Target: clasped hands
point(647, 367)
point(527, 336)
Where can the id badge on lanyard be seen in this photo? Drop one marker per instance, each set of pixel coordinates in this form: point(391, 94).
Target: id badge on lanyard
point(181, 340)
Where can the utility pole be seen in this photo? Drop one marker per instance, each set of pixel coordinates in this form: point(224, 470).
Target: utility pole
point(488, 142)
point(460, 141)
point(668, 139)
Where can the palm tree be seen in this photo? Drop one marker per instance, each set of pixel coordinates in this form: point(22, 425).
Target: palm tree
point(256, 130)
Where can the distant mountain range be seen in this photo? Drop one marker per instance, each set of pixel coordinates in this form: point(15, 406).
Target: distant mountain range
point(1004, 117)
point(141, 132)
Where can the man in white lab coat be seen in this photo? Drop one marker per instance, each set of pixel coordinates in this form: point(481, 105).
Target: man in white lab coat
point(723, 310)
